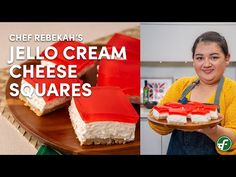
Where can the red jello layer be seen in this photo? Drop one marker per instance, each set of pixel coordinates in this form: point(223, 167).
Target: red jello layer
point(210, 107)
point(132, 45)
point(106, 104)
point(200, 111)
point(61, 60)
point(177, 111)
point(188, 108)
point(173, 104)
point(161, 109)
point(121, 74)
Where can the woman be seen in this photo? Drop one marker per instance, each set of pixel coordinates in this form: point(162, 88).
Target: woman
point(210, 57)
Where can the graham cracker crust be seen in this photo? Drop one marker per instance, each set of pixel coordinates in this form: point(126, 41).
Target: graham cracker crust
point(37, 111)
point(107, 141)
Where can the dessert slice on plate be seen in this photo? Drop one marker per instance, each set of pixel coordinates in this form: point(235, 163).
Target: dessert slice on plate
point(177, 116)
point(46, 103)
point(105, 117)
point(213, 110)
point(200, 116)
point(120, 72)
point(160, 112)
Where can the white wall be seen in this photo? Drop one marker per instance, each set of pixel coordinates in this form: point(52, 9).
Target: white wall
point(173, 41)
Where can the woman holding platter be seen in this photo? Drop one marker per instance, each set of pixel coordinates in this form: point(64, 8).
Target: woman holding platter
point(210, 58)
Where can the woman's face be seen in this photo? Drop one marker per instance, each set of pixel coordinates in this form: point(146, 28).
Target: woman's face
point(209, 62)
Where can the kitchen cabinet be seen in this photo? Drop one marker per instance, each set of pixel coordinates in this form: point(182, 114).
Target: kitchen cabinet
point(150, 141)
point(172, 42)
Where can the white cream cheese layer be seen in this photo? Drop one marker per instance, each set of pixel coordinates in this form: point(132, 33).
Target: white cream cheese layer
point(196, 118)
point(39, 103)
point(177, 119)
point(158, 115)
point(214, 114)
point(99, 129)
point(35, 101)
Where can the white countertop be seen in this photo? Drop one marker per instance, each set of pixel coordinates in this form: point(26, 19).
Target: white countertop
point(144, 112)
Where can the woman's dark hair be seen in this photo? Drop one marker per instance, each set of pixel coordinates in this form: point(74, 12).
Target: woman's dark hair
point(211, 36)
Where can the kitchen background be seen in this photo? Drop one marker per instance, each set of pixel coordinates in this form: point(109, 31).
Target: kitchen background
point(166, 55)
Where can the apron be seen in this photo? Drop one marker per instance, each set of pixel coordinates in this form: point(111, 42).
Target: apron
point(193, 143)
